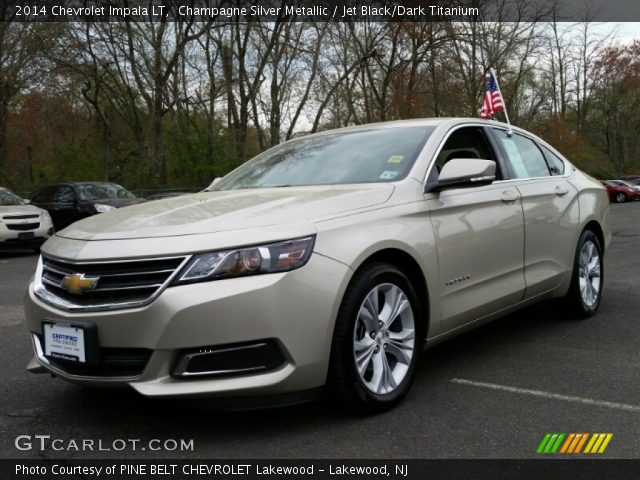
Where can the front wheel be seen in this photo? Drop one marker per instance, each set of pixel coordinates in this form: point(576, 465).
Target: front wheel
point(377, 338)
point(587, 281)
point(621, 197)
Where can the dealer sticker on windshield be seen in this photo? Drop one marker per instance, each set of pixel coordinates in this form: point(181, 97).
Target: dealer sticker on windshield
point(64, 341)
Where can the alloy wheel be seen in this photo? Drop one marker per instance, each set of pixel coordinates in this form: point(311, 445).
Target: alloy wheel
point(384, 338)
point(589, 273)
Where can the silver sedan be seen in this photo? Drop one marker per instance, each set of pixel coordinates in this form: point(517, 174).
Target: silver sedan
point(326, 263)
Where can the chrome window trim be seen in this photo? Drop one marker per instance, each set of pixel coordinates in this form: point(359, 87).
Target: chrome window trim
point(50, 298)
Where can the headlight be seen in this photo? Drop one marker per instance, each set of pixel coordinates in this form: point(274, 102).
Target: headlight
point(270, 258)
point(102, 208)
point(45, 217)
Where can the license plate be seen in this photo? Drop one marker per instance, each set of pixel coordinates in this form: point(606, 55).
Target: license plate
point(64, 341)
point(26, 236)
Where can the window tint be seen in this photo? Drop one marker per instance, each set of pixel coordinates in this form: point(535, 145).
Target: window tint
point(43, 195)
point(64, 195)
point(556, 165)
point(98, 191)
point(7, 197)
point(467, 142)
point(524, 156)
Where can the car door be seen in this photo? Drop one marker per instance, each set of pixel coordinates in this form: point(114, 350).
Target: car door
point(550, 207)
point(479, 236)
point(42, 198)
point(64, 207)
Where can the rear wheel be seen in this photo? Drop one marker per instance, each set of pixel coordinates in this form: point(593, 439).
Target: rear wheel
point(620, 197)
point(587, 281)
point(377, 338)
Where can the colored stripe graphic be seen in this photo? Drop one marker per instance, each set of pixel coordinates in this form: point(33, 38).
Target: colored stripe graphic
point(573, 443)
point(550, 443)
point(598, 442)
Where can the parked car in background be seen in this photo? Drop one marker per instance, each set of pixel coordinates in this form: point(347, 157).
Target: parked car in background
point(72, 201)
point(332, 259)
point(633, 179)
point(621, 191)
point(22, 225)
point(626, 183)
point(629, 186)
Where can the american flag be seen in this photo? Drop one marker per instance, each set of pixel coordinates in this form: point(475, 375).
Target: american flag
point(493, 101)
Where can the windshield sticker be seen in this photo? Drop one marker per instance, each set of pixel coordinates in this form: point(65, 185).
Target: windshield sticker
point(388, 175)
point(395, 159)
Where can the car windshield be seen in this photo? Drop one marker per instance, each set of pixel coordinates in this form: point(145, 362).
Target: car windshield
point(99, 191)
point(364, 156)
point(7, 197)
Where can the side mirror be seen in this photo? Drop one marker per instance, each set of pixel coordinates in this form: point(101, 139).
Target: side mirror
point(26, 201)
point(464, 173)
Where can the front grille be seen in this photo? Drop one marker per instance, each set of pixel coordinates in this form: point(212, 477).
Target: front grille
point(19, 217)
point(121, 284)
point(23, 226)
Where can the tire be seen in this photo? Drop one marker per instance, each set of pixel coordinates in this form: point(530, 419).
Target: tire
point(587, 281)
point(620, 197)
point(384, 348)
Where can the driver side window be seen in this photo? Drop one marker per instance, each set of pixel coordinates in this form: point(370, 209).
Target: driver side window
point(64, 195)
point(467, 142)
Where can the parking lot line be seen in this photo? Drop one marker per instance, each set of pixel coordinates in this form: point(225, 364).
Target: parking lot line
point(550, 395)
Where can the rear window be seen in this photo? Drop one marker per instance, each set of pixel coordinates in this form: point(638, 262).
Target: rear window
point(556, 165)
point(524, 156)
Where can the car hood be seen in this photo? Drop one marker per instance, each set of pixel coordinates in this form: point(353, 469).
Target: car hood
point(19, 210)
point(211, 212)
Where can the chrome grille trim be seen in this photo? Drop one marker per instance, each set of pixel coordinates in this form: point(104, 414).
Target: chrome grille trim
point(122, 284)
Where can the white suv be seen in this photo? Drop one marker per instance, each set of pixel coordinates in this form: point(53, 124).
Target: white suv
point(22, 225)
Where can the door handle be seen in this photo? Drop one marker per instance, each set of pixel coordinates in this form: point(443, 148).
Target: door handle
point(509, 196)
point(561, 190)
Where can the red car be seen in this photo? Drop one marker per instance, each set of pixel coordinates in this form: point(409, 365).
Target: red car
point(632, 179)
point(620, 191)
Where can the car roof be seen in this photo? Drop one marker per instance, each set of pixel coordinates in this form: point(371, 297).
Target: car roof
point(433, 121)
point(444, 122)
point(76, 184)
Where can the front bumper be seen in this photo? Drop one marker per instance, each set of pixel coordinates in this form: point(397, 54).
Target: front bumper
point(294, 311)
point(12, 238)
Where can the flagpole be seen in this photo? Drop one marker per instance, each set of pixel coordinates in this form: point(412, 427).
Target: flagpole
point(506, 115)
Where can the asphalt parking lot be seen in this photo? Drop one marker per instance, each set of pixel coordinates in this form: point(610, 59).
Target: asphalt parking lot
point(492, 393)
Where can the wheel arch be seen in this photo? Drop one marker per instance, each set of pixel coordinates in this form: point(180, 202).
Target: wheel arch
point(596, 228)
point(406, 263)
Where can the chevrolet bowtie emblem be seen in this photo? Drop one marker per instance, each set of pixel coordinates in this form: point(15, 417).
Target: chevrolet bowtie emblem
point(77, 283)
